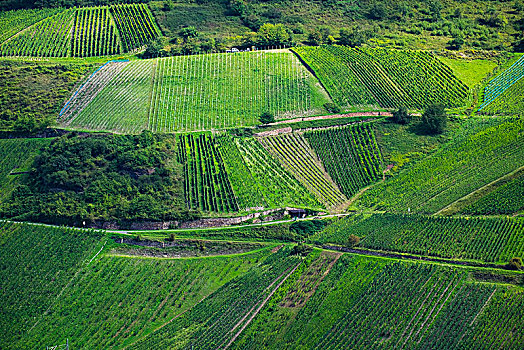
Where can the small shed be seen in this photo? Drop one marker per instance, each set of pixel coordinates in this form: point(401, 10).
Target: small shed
point(297, 213)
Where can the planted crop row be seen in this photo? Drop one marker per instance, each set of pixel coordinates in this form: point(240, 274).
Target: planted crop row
point(349, 154)
point(459, 168)
point(16, 155)
point(507, 199)
point(214, 322)
point(497, 86)
point(131, 297)
point(368, 303)
point(83, 32)
point(36, 263)
point(391, 78)
point(50, 37)
point(511, 101)
point(12, 22)
point(244, 186)
point(90, 89)
point(279, 188)
point(122, 104)
point(94, 33)
point(296, 155)
point(135, 24)
point(204, 92)
point(206, 183)
point(485, 239)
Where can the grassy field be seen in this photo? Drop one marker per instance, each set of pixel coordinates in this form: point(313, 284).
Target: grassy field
point(470, 72)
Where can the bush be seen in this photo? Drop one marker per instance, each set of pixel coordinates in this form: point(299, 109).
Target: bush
point(301, 249)
point(352, 241)
point(515, 264)
point(332, 107)
point(456, 43)
point(266, 118)
point(401, 116)
point(307, 227)
point(434, 119)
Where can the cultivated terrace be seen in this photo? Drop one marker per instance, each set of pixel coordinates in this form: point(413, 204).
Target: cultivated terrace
point(261, 174)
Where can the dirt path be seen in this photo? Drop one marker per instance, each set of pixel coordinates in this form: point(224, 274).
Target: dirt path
point(470, 198)
point(261, 305)
point(333, 116)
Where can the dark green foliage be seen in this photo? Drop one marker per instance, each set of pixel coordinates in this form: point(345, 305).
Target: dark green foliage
point(301, 249)
point(36, 263)
point(31, 94)
point(354, 36)
point(267, 117)
point(456, 43)
point(308, 227)
point(515, 264)
point(401, 116)
point(353, 240)
point(102, 178)
point(434, 119)
point(332, 107)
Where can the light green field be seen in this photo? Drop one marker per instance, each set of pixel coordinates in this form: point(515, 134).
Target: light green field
point(469, 72)
point(202, 92)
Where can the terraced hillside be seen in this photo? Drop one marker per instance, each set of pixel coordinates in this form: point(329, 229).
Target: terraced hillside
point(484, 239)
point(77, 32)
point(296, 155)
point(503, 94)
point(388, 78)
point(457, 169)
point(350, 155)
point(200, 92)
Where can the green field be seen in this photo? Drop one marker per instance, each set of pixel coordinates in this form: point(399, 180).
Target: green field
point(296, 155)
point(201, 92)
point(455, 170)
point(470, 72)
point(77, 32)
point(484, 239)
point(17, 156)
point(389, 78)
point(350, 155)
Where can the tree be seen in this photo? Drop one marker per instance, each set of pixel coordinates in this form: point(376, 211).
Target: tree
point(434, 119)
point(156, 48)
point(320, 35)
point(267, 117)
point(456, 43)
point(188, 32)
point(401, 116)
point(355, 36)
point(352, 241)
point(273, 34)
point(378, 11)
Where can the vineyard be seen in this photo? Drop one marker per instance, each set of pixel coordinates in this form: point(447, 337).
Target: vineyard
point(297, 156)
point(12, 22)
point(507, 199)
point(206, 183)
point(371, 303)
point(78, 32)
point(457, 169)
point(511, 101)
point(116, 98)
point(31, 281)
point(389, 78)
point(503, 89)
point(244, 185)
point(485, 239)
point(95, 296)
point(279, 188)
point(349, 154)
point(16, 156)
point(200, 92)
